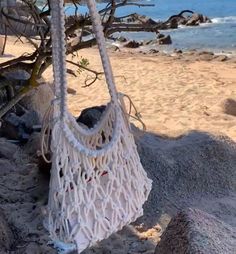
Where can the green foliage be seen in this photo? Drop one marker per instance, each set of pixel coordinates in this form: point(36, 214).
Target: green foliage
point(84, 63)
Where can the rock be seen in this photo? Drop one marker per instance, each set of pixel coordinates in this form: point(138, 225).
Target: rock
point(229, 107)
point(7, 149)
point(33, 144)
point(17, 75)
point(33, 248)
point(150, 42)
point(205, 55)
point(191, 52)
point(182, 21)
point(122, 39)
point(6, 234)
point(206, 19)
point(172, 24)
point(114, 48)
point(90, 116)
point(194, 231)
point(71, 91)
point(153, 51)
point(221, 58)
point(160, 36)
point(6, 167)
point(9, 130)
point(178, 51)
point(142, 19)
point(165, 40)
point(19, 127)
point(195, 20)
point(132, 44)
point(39, 100)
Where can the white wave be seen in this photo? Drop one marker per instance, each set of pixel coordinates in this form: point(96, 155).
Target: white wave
point(230, 19)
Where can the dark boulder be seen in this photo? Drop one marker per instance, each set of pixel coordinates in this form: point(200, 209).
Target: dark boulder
point(153, 51)
point(166, 40)
point(159, 36)
point(90, 116)
point(133, 44)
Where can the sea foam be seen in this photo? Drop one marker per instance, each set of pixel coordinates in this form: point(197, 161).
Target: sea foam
point(230, 19)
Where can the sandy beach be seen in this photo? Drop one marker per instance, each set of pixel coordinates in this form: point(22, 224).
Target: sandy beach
point(185, 100)
point(174, 94)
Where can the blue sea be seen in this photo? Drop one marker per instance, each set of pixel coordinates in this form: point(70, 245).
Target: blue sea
point(220, 36)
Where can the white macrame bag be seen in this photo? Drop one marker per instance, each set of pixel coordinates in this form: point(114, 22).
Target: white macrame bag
point(98, 184)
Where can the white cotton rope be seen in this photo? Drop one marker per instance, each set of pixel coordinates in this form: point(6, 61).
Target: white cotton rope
point(98, 184)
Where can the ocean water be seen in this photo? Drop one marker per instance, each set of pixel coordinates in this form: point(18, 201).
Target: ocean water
point(220, 36)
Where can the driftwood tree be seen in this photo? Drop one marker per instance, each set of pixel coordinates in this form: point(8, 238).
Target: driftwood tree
point(36, 21)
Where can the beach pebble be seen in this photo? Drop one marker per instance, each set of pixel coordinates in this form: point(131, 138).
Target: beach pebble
point(71, 91)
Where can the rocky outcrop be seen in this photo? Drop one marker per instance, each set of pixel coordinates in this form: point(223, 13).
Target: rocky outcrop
point(196, 19)
point(194, 231)
point(142, 19)
point(173, 22)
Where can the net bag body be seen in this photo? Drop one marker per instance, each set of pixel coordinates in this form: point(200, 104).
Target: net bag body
point(98, 184)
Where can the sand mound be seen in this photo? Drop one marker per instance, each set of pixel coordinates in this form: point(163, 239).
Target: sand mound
point(194, 231)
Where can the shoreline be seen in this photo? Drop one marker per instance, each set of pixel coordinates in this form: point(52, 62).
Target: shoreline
point(190, 54)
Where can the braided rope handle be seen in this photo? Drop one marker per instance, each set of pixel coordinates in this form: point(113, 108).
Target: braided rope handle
point(59, 52)
point(98, 31)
